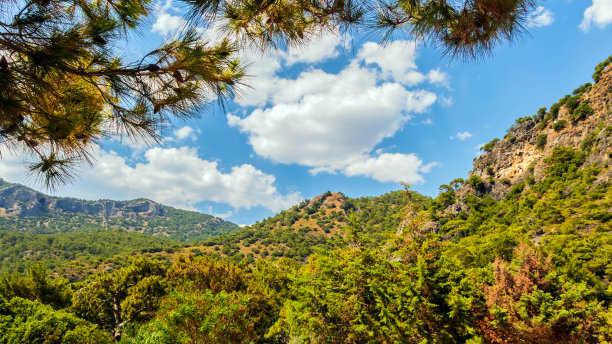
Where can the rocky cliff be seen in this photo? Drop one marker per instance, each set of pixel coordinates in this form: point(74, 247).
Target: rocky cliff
point(18, 200)
point(581, 121)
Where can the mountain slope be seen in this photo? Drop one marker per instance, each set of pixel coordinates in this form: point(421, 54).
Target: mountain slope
point(26, 210)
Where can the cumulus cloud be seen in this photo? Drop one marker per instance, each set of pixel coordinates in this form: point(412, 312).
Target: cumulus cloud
point(185, 132)
point(435, 76)
point(390, 167)
point(333, 121)
point(319, 49)
point(599, 13)
point(461, 136)
point(166, 23)
point(172, 176)
point(541, 16)
point(324, 120)
point(397, 60)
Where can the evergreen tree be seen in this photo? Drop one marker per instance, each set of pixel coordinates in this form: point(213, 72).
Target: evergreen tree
point(63, 86)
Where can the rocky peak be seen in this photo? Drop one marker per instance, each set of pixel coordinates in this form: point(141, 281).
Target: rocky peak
point(19, 200)
point(521, 153)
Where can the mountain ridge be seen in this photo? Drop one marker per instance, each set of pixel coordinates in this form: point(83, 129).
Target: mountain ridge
point(28, 210)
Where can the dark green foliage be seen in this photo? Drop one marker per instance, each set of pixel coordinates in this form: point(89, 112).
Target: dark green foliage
point(582, 89)
point(489, 146)
point(554, 110)
point(541, 113)
point(559, 125)
point(600, 68)
point(26, 321)
point(581, 112)
point(524, 119)
point(541, 141)
point(589, 141)
point(74, 253)
point(571, 102)
point(36, 285)
point(564, 163)
point(476, 183)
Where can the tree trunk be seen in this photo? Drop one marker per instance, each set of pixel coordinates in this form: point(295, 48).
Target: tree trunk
point(117, 316)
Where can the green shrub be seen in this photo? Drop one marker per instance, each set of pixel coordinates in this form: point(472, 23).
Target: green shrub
point(510, 137)
point(588, 141)
point(571, 103)
point(582, 89)
point(581, 112)
point(541, 141)
point(505, 181)
point(524, 119)
point(600, 68)
point(541, 113)
point(559, 125)
point(554, 110)
point(477, 183)
point(489, 146)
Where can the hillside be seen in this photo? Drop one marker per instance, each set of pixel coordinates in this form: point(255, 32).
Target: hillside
point(519, 252)
point(320, 223)
point(25, 210)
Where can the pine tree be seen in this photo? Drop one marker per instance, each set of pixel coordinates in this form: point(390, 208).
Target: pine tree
point(63, 86)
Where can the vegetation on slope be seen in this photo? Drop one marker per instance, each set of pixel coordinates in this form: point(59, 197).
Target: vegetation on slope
point(531, 266)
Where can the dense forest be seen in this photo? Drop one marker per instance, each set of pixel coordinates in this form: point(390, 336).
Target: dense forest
point(494, 258)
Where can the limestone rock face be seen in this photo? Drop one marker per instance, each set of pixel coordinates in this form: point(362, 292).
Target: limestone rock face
point(23, 201)
point(517, 156)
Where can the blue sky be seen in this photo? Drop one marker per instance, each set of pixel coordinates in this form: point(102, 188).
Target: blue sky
point(345, 114)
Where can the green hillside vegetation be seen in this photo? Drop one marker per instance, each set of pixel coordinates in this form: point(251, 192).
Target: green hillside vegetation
point(531, 266)
point(313, 225)
point(175, 224)
point(76, 254)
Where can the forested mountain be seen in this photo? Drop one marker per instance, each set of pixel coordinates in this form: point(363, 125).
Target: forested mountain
point(519, 252)
point(320, 223)
point(25, 210)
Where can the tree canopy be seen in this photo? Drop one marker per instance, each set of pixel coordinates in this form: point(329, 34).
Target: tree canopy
point(64, 85)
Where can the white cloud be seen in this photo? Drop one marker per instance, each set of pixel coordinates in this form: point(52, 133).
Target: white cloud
point(324, 120)
point(390, 167)
point(172, 176)
point(186, 132)
point(599, 13)
point(461, 136)
point(166, 23)
point(435, 76)
point(427, 121)
point(541, 16)
point(397, 60)
point(319, 49)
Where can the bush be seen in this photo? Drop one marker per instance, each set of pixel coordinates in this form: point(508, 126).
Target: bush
point(581, 112)
point(522, 120)
point(582, 89)
point(541, 113)
point(559, 125)
point(600, 68)
point(541, 141)
point(588, 141)
point(571, 103)
point(476, 183)
point(510, 137)
point(489, 146)
point(554, 110)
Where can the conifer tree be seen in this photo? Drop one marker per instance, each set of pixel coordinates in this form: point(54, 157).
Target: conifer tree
point(64, 86)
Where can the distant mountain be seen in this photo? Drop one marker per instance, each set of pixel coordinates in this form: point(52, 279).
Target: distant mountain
point(25, 210)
